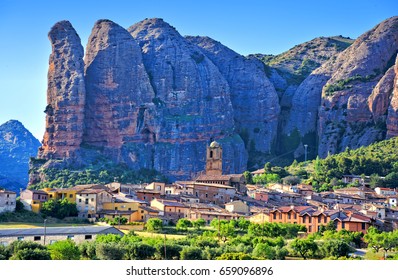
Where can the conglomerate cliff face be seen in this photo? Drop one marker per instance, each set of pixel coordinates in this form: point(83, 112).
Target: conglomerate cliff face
point(66, 94)
point(119, 106)
point(333, 101)
point(254, 100)
point(148, 98)
point(192, 101)
point(344, 116)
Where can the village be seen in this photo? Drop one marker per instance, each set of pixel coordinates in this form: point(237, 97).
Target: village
point(213, 195)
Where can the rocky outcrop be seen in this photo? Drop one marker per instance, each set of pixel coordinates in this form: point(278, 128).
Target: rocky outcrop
point(192, 101)
point(17, 145)
point(297, 120)
point(344, 117)
point(392, 117)
point(333, 100)
point(254, 100)
point(118, 92)
point(65, 94)
point(379, 100)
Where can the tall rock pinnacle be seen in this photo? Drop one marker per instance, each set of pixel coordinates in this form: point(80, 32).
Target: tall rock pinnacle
point(65, 94)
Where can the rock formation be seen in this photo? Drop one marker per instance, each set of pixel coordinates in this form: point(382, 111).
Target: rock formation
point(17, 145)
point(332, 101)
point(344, 117)
point(192, 101)
point(65, 94)
point(118, 92)
point(254, 100)
point(147, 97)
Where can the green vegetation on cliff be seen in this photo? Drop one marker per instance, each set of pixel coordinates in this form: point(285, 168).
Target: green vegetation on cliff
point(377, 160)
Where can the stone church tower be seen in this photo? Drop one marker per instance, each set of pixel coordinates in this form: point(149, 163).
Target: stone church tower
point(214, 159)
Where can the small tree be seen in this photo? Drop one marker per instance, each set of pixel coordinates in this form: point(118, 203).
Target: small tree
point(140, 251)
point(109, 251)
point(154, 224)
point(199, 223)
point(28, 250)
point(191, 253)
point(183, 224)
point(248, 177)
point(305, 247)
point(64, 250)
point(291, 180)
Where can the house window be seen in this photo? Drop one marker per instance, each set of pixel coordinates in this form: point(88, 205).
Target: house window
point(295, 216)
point(71, 195)
point(115, 208)
point(289, 215)
point(363, 226)
point(88, 237)
point(80, 200)
point(142, 217)
point(92, 199)
point(86, 201)
point(20, 238)
point(309, 219)
point(36, 238)
point(206, 195)
point(144, 197)
point(51, 196)
point(325, 219)
point(319, 219)
point(280, 216)
point(71, 237)
point(342, 224)
point(304, 219)
point(274, 216)
point(196, 194)
point(309, 228)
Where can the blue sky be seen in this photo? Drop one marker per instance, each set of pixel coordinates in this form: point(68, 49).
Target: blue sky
point(249, 26)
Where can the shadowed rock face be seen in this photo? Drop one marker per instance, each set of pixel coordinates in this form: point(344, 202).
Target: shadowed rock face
point(65, 94)
point(333, 100)
point(392, 117)
point(254, 99)
point(192, 101)
point(379, 100)
point(17, 145)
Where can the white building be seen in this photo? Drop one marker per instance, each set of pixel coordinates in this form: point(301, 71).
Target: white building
point(8, 201)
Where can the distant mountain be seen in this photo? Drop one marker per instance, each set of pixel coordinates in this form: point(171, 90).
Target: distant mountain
point(17, 145)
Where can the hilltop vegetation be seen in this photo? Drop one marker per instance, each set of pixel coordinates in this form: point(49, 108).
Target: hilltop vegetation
point(98, 174)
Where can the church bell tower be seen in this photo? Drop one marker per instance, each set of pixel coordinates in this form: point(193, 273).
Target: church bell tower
point(214, 159)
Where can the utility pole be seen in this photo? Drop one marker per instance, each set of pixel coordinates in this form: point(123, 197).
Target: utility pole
point(305, 152)
point(45, 229)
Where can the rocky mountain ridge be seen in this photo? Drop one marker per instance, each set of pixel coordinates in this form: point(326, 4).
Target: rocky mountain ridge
point(17, 145)
point(150, 98)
